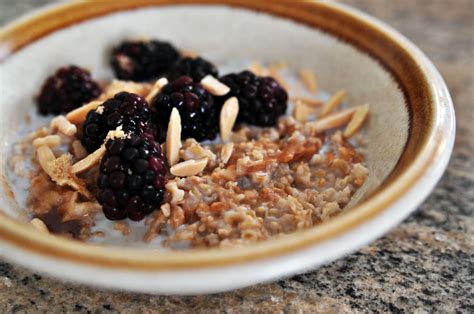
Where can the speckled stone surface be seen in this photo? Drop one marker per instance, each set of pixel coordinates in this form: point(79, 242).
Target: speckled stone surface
point(424, 265)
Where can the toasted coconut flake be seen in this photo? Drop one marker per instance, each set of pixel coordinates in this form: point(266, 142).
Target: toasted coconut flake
point(49, 140)
point(332, 103)
point(39, 225)
point(228, 116)
point(302, 111)
point(357, 120)
point(226, 152)
point(311, 102)
point(63, 125)
point(189, 167)
point(257, 69)
point(156, 89)
point(214, 86)
point(88, 162)
point(78, 150)
point(309, 80)
point(173, 138)
point(333, 121)
point(274, 71)
point(78, 115)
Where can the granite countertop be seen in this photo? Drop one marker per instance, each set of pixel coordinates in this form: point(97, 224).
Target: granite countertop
point(425, 264)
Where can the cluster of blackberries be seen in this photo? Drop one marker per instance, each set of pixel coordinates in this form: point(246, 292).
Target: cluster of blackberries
point(132, 172)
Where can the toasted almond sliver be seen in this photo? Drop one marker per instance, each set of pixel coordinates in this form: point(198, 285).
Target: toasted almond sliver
point(257, 69)
point(173, 138)
point(274, 71)
point(226, 152)
point(332, 103)
point(302, 111)
point(45, 156)
point(357, 120)
point(309, 80)
point(156, 89)
point(39, 225)
point(228, 116)
point(214, 86)
point(311, 102)
point(49, 140)
point(189, 167)
point(63, 125)
point(333, 121)
point(77, 116)
point(88, 162)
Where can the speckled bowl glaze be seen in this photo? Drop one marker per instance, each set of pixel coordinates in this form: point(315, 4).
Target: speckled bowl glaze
point(410, 131)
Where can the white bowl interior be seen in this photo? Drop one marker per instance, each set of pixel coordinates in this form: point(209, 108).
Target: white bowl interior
point(221, 34)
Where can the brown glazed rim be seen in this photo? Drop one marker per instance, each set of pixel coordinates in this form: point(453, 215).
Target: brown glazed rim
point(392, 53)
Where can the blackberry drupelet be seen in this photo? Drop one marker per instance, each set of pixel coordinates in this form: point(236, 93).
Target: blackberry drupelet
point(143, 60)
point(125, 109)
point(197, 68)
point(70, 87)
point(261, 99)
point(198, 111)
point(132, 177)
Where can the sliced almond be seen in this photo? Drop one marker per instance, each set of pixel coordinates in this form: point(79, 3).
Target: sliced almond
point(214, 86)
point(309, 80)
point(189, 167)
point(156, 89)
point(228, 116)
point(257, 69)
point(63, 125)
point(311, 102)
point(78, 116)
point(173, 138)
point(45, 156)
point(357, 120)
point(117, 86)
point(332, 103)
point(226, 152)
point(88, 162)
point(333, 121)
point(49, 140)
point(39, 225)
point(274, 71)
point(302, 111)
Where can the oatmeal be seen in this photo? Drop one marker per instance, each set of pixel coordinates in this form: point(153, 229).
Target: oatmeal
point(199, 158)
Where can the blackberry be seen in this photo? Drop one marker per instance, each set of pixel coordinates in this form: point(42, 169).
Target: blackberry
point(196, 68)
point(70, 87)
point(132, 177)
point(261, 99)
point(126, 109)
point(198, 111)
point(143, 60)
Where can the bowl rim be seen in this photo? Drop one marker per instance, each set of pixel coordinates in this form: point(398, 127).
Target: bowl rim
point(431, 135)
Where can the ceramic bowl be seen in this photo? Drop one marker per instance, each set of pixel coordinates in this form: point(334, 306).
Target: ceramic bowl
point(410, 132)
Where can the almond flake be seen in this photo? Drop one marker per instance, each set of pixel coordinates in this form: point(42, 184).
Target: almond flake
point(228, 116)
point(357, 120)
point(118, 86)
point(78, 116)
point(173, 137)
point(332, 103)
point(333, 121)
point(309, 80)
point(302, 112)
point(189, 167)
point(63, 125)
point(311, 102)
point(226, 152)
point(49, 140)
point(39, 225)
point(214, 86)
point(156, 89)
point(88, 162)
point(45, 156)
